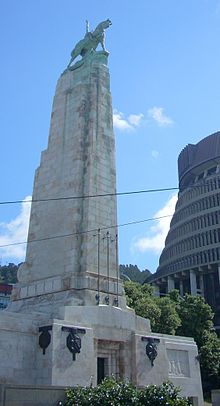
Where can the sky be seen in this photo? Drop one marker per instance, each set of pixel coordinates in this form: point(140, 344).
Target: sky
point(164, 65)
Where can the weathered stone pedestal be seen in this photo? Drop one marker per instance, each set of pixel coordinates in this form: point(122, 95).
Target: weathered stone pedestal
point(114, 342)
point(68, 323)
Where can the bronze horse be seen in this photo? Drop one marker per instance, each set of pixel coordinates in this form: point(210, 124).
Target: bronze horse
point(91, 41)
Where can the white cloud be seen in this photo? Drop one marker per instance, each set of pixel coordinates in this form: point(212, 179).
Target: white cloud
point(157, 114)
point(129, 123)
point(126, 124)
point(155, 242)
point(15, 231)
point(119, 122)
point(135, 119)
point(154, 154)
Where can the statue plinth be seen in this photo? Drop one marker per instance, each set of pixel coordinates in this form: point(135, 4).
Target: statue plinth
point(100, 57)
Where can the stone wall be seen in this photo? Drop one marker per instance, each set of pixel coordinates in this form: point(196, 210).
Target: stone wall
point(30, 395)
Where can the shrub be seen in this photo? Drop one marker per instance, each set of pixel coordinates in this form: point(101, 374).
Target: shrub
point(113, 393)
point(164, 395)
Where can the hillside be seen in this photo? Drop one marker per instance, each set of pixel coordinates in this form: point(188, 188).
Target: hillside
point(8, 273)
point(133, 273)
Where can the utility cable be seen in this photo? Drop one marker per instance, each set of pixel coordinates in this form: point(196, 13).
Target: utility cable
point(89, 196)
point(133, 192)
point(85, 232)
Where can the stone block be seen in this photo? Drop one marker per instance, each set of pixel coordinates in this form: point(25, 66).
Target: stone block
point(31, 290)
point(215, 397)
point(40, 288)
point(23, 291)
point(57, 284)
point(48, 286)
point(30, 395)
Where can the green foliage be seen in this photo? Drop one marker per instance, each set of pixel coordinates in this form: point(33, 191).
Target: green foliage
point(164, 395)
point(141, 299)
point(134, 273)
point(148, 308)
point(169, 320)
point(113, 393)
point(136, 292)
point(209, 355)
point(108, 393)
point(175, 296)
point(196, 318)
point(8, 273)
point(161, 312)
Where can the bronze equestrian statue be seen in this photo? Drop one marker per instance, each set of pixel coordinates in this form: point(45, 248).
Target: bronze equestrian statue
point(90, 41)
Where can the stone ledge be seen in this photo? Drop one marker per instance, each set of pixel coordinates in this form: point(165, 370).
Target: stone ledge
point(58, 284)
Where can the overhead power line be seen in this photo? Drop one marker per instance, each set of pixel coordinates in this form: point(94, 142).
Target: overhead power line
point(133, 192)
point(89, 196)
point(86, 231)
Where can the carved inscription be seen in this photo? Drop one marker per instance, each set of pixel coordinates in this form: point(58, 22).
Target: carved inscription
point(178, 363)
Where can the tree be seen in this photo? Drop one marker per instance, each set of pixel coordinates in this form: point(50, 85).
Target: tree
point(161, 312)
point(8, 273)
point(196, 318)
point(136, 292)
point(209, 355)
point(141, 299)
point(169, 320)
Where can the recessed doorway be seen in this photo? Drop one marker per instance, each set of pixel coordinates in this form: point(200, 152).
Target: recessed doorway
point(102, 364)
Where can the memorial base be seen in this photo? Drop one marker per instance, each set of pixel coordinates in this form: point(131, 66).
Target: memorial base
point(86, 343)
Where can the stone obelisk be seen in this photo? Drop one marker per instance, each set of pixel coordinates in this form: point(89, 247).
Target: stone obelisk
point(72, 242)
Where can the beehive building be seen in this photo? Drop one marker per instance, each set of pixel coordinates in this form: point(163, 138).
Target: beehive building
point(190, 260)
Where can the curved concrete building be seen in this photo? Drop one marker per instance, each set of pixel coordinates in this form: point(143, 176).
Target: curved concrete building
point(190, 260)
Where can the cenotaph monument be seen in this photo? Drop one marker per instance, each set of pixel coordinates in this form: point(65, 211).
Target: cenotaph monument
point(68, 323)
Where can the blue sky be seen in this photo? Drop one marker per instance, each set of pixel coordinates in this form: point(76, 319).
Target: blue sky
point(164, 64)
